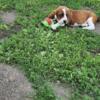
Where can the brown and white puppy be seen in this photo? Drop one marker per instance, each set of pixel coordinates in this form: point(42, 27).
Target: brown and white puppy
point(84, 18)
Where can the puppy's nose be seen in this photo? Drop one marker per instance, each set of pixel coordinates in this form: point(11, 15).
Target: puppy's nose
point(65, 22)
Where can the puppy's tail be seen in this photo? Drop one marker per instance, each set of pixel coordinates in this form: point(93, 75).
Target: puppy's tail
point(98, 19)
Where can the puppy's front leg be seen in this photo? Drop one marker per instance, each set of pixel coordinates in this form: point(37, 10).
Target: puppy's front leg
point(55, 26)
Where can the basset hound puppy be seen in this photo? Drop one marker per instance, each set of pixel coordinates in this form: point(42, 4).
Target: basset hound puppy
point(74, 18)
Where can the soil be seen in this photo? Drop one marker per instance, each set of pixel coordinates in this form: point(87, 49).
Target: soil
point(97, 30)
point(61, 91)
point(14, 85)
point(8, 17)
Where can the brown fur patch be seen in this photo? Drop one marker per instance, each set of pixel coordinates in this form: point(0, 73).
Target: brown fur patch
point(80, 16)
point(58, 12)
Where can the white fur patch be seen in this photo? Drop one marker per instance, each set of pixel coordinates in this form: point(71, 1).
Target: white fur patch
point(55, 17)
point(77, 25)
point(85, 24)
point(90, 23)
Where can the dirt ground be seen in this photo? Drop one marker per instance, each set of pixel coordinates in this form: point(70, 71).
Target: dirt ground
point(97, 30)
point(8, 17)
point(61, 91)
point(13, 84)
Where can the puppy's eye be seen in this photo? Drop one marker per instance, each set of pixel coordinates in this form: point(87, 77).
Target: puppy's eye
point(52, 17)
point(61, 15)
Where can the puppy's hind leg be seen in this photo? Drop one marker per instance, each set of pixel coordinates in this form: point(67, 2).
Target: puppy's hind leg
point(90, 23)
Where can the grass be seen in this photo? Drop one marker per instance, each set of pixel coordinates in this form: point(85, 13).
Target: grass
point(70, 55)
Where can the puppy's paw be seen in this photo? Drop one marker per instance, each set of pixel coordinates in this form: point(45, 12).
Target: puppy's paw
point(53, 27)
point(62, 25)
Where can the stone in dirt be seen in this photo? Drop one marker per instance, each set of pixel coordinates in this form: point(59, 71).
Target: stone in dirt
point(14, 85)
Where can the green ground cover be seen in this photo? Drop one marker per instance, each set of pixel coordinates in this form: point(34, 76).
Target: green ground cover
point(70, 55)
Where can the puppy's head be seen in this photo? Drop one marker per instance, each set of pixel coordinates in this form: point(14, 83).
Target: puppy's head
point(60, 14)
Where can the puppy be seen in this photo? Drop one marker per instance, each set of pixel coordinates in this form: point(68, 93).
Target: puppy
point(74, 18)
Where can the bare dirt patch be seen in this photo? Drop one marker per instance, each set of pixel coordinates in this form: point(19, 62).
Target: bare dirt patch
point(97, 30)
point(14, 85)
point(11, 30)
point(8, 17)
point(3, 34)
point(61, 91)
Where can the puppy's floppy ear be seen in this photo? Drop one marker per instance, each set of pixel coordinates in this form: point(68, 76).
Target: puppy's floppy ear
point(52, 15)
point(69, 13)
